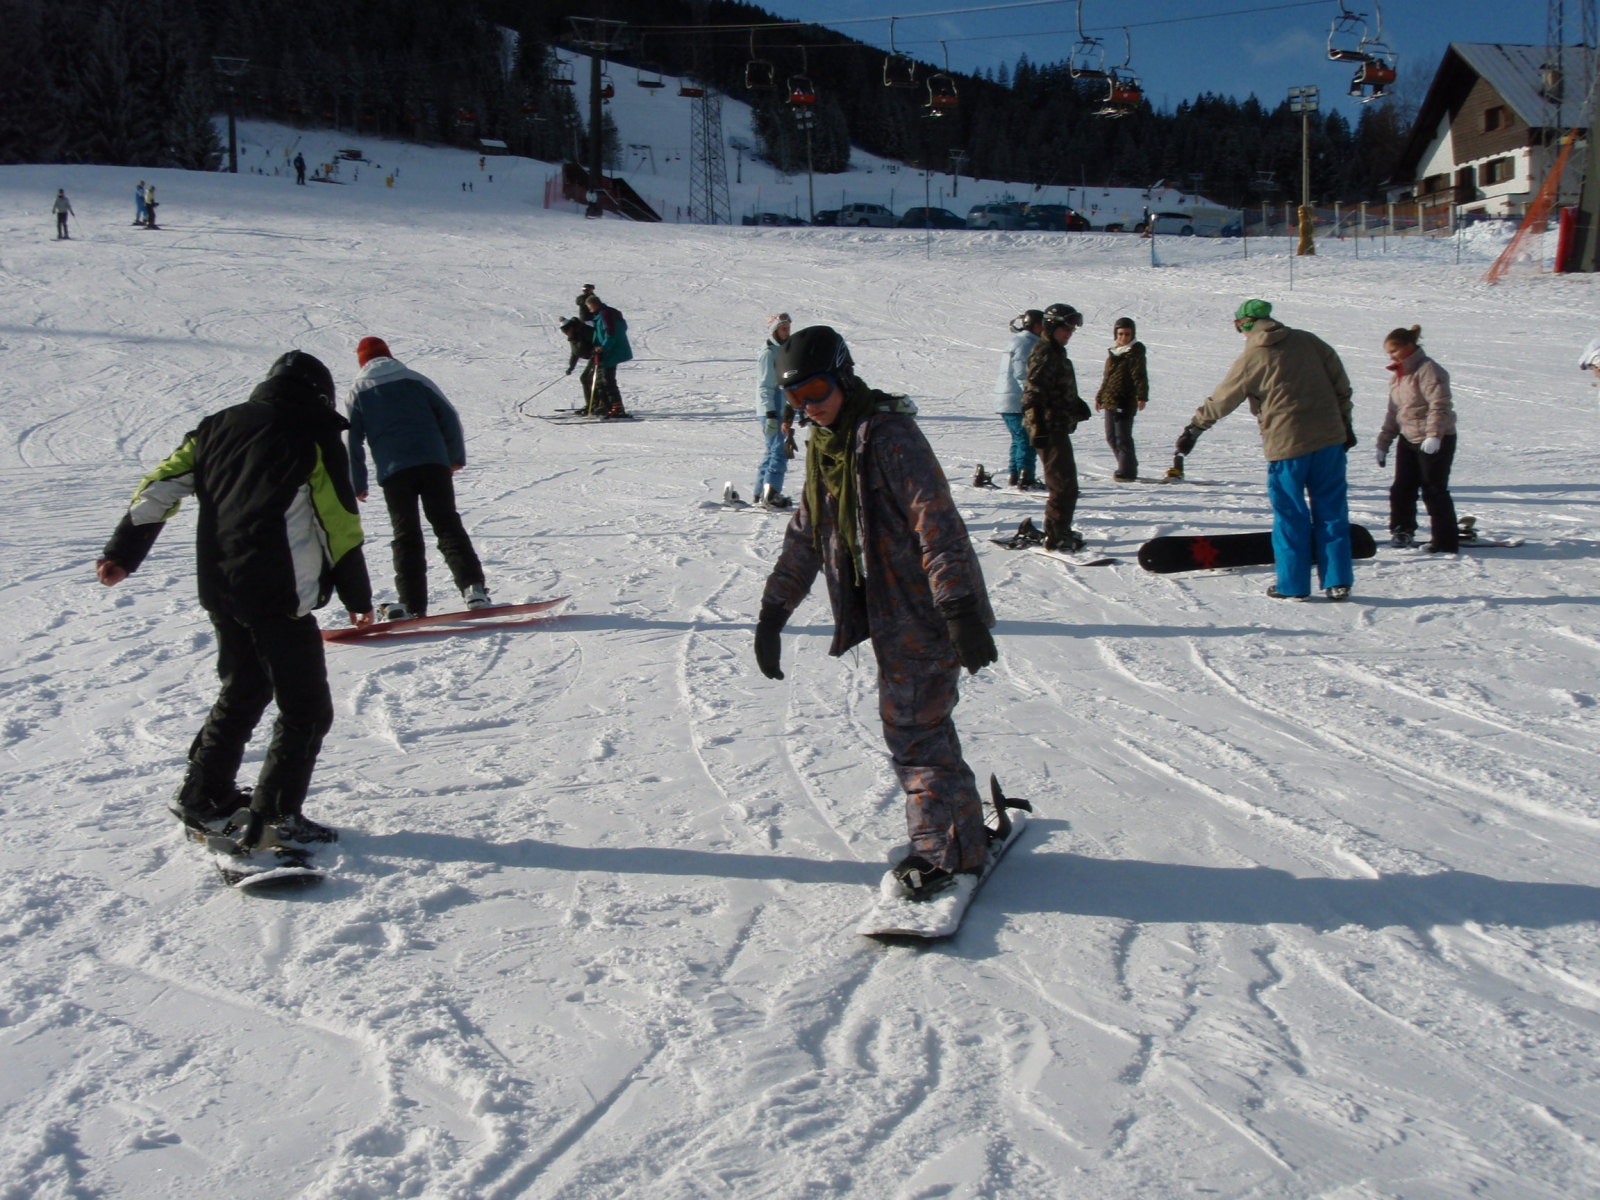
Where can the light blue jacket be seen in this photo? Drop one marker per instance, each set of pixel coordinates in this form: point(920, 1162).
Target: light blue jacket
point(1013, 373)
point(769, 401)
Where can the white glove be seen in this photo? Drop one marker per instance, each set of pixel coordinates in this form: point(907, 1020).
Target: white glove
point(1383, 457)
point(1430, 445)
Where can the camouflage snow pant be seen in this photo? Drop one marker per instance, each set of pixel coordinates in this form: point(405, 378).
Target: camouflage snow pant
point(944, 813)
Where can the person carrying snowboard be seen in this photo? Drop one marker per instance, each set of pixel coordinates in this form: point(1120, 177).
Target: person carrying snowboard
point(1421, 425)
point(611, 350)
point(417, 446)
point(1008, 385)
point(1124, 391)
point(1300, 396)
point(580, 339)
point(277, 533)
point(877, 520)
point(62, 207)
point(775, 416)
point(1051, 410)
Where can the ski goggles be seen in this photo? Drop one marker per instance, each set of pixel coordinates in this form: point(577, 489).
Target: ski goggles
point(810, 392)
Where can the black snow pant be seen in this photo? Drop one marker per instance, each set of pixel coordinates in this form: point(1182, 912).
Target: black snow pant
point(1429, 473)
point(261, 660)
point(607, 399)
point(944, 812)
point(1119, 436)
point(61, 225)
point(586, 381)
point(430, 484)
point(1061, 479)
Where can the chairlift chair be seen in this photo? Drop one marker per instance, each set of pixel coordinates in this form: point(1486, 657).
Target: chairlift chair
point(690, 90)
point(607, 88)
point(1088, 57)
point(898, 70)
point(759, 74)
point(802, 94)
point(648, 79)
point(1347, 35)
point(942, 96)
point(561, 74)
point(1374, 77)
point(1123, 93)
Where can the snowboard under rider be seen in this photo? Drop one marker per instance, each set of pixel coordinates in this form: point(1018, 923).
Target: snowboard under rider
point(877, 519)
point(277, 533)
point(417, 447)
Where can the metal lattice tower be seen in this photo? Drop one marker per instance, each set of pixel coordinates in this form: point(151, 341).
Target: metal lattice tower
point(708, 165)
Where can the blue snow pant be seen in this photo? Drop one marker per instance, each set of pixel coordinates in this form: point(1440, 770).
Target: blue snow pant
point(944, 813)
point(1024, 458)
point(1311, 520)
point(774, 463)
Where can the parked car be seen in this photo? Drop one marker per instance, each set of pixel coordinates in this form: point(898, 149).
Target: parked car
point(997, 215)
point(930, 218)
point(770, 218)
point(1179, 223)
point(866, 214)
point(1055, 216)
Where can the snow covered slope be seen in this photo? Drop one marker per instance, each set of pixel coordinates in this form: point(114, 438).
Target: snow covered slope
point(1308, 910)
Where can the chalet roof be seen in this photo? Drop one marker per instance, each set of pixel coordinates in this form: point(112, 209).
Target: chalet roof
point(1516, 75)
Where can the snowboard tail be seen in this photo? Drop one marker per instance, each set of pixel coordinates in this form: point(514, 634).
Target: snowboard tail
point(1209, 552)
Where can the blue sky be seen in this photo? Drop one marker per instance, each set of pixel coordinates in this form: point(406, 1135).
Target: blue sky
point(1228, 47)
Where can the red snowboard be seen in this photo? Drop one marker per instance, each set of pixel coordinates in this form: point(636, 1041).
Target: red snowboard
point(496, 616)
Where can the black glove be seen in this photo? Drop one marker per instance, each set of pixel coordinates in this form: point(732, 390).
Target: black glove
point(769, 646)
point(1350, 438)
point(973, 642)
point(569, 370)
point(1187, 439)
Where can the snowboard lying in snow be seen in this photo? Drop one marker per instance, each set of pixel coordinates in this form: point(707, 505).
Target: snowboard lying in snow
point(894, 915)
point(1213, 551)
point(496, 616)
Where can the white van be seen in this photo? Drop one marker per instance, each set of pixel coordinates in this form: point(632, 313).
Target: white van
point(1200, 221)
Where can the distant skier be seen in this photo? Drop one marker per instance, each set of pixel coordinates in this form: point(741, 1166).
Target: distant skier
point(1300, 396)
point(1124, 391)
point(277, 532)
point(1589, 360)
point(775, 416)
point(611, 350)
point(139, 214)
point(878, 522)
point(299, 168)
point(582, 302)
point(417, 445)
point(580, 340)
point(1025, 330)
point(150, 206)
point(1051, 410)
point(62, 209)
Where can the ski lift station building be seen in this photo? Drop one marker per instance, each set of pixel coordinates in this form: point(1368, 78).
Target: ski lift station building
point(1489, 129)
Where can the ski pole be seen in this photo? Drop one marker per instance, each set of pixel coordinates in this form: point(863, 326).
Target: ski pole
point(541, 391)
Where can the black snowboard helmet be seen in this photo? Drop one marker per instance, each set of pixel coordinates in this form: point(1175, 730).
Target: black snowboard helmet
point(307, 369)
point(814, 350)
point(1026, 319)
point(1058, 315)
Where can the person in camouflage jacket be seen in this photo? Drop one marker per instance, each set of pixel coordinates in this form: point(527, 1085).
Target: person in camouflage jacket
point(878, 521)
point(1051, 410)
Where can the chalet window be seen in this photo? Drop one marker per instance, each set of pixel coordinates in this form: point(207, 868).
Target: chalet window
point(1499, 170)
point(1435, 183)
point(1494, 118)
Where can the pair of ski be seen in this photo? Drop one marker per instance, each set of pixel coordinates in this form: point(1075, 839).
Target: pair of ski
point(495, 616)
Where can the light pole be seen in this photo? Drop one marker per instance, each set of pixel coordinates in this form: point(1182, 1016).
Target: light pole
point(1303, 100)
point(807, 120)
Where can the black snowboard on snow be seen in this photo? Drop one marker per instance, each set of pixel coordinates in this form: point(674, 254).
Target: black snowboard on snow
point(1207, 552)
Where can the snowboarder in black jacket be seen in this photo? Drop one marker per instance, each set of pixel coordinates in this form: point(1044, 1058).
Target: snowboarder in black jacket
point(277, 533)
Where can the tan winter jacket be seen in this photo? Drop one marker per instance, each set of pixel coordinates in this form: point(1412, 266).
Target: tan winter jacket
point(1419, 402)
point(1297, 389)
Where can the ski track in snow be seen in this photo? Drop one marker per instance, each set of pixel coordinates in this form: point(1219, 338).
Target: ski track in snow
point(1308, 908)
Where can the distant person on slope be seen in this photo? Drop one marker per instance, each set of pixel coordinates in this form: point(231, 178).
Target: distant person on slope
point(1589, 360)
point(1124, 391)
point(1025, 331)
point(582, 302)
point(1300, 396)
point(775, 416)
point(62, 207)
point(611, 350)
point(277, 532)
point(1421, 425)
point(580, 339)
point(139, 214)
point(299, 168)
point(1051, 410)
point(417, 445)
point(878, 522)
point(150, 206)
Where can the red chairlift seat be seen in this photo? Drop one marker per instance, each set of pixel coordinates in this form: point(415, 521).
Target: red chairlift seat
point(801, 91)
point(691, 91)
point(942, 95)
